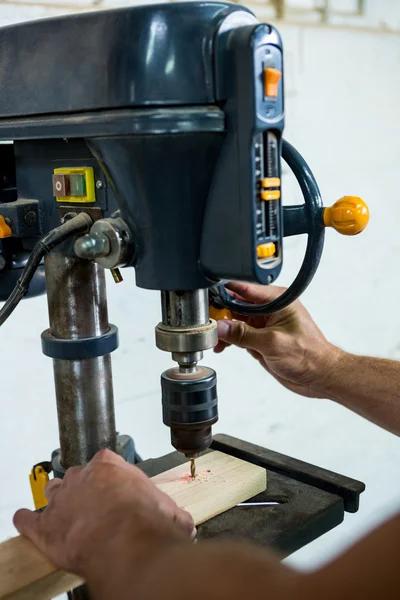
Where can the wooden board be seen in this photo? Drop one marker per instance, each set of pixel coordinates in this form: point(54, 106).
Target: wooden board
point(25, 574)
point(222, 481)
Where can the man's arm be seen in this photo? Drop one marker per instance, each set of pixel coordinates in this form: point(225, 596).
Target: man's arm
point(370, 569)
point(368, 386)
point(289, 345)
point(108, 523)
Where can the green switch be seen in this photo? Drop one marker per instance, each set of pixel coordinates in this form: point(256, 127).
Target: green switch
point(77, 184)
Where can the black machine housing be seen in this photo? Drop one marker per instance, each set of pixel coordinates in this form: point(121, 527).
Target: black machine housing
point(170, 112)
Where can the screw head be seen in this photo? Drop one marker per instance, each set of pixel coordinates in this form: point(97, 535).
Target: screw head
point(30, 218)
point(99, 184)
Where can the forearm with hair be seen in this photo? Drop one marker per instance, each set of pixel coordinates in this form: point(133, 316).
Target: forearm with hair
point(368, 386)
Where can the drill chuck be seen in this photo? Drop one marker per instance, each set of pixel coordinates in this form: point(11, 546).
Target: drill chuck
point(190, 408)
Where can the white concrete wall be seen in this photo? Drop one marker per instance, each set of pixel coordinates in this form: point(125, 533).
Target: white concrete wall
point(343, 90)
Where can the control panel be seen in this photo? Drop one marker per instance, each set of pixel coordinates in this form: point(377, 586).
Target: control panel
point(247, 182)
point(268, 195)
point(269, 109)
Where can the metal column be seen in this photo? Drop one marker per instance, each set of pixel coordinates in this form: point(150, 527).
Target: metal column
point(77, 302)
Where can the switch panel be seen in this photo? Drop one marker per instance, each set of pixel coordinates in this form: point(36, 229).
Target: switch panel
point(75, 184)
point(247, 180)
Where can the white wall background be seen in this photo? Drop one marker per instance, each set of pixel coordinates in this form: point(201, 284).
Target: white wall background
point(343, 89)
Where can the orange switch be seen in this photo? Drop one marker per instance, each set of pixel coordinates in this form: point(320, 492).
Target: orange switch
point(270, 195)
point(270, 182)
point(5, 230)
point(272, 78)
point(266, 250)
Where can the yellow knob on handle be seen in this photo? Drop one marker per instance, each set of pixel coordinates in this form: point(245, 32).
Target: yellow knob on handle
point(348, 216)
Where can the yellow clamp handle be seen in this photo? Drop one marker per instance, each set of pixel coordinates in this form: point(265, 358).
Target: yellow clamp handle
point(348, 216)
point(38, 478)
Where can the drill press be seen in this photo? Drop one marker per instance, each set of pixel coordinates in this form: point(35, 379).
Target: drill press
point(147, 137)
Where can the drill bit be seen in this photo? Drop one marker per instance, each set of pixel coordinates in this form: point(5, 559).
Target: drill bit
point(193, 468)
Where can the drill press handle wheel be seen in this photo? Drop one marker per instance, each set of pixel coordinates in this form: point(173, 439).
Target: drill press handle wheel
point(348, 216)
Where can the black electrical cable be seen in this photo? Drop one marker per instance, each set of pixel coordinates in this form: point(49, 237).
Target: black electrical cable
point(74, 226)
point(316, 234)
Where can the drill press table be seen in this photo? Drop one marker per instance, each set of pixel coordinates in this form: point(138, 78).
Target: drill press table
point(310, 500)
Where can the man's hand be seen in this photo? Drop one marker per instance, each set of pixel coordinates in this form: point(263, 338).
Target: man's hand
point(98, 512)
point(288, 344)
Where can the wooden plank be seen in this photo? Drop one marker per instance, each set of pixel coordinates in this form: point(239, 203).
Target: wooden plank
point(26, 574)
point(222, 481)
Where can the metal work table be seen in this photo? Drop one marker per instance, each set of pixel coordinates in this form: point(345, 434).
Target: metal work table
point(309, 500)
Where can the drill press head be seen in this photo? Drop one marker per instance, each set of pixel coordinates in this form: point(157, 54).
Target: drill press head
point(197, 181)
point(175, 153)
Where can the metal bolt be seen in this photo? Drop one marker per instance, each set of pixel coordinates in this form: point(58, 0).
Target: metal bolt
point(92, 245)
point(30, 218)
point(99, 184)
